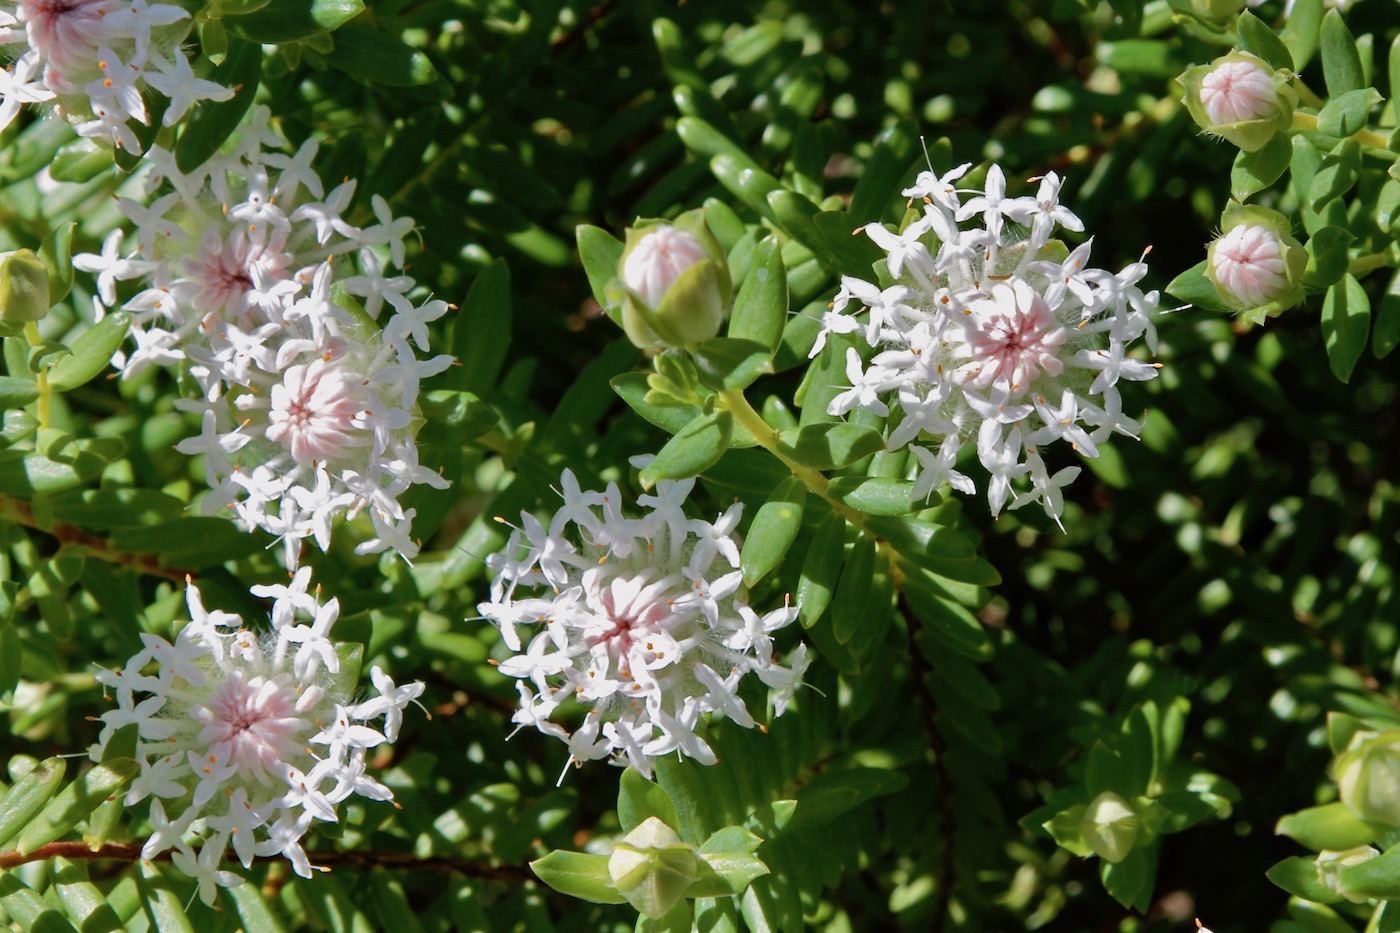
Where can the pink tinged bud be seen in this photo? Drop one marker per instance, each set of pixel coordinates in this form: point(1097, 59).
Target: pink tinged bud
point(1249, 265)
point(1236, 91)
point(658, 260)
point(1013, 337)
point(316, 412)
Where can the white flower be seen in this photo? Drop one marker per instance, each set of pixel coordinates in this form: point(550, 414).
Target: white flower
point(225, 735)
point(989, 334)
point(642, 619)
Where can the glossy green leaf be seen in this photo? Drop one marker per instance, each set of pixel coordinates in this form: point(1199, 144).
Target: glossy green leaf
point(1346, 321)
point(452, 418)
point(761, 307)
point(191, 542)
point(1327, 256)
point(915, 538)
point(894, 151)
point(746, 181)
point(821, 569)
point(82, 900)
point(1386, 332)
point(1335, 176)
point(1258, 39)
point(212, 122)
point(25, 474)
point(255, 914)
point(11, 652)
point(1195, 289)
point(775, 527)
point(28, 796)
point(731, 363)
point(831, 793)
point(92, 352)
point(16, 393)
point(1130, 881)
point(1341, 62)
point(1348, 113)
point(1378, 877)
point(377, 57)
point(831, 445)
point(57, 253)
point(1330, 826)
point(1301, 33)
point(1255, 171)
point(293, 20)
point(638, 799)
point(853, 591)
point(481, 331)
point(578, 875)
point(697, 446)
point(950, 624)
point(877, 495)
point(600, 253)
point(1298, 876)
point(75, 802)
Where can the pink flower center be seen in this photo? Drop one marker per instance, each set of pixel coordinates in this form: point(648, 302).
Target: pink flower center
point(1238, 91)
point(1249, 264)
point(635, 638)
point(252, 725)
point(1013, 337)
point(67, 32)
point(316, 412)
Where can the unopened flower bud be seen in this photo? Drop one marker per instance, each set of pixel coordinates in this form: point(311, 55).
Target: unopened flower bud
point(1239, 97)
point(674, 283)
point(1329, 866)
point(24, 287)
point(1110, 827)
point(1255, 261)
point(652, 868)
point(1368, 776)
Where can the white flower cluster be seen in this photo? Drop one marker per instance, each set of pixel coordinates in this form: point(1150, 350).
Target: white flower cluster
point(308, 406)
point(996, 332)
point(645, 620)
point(245, 739)
point(92, 58)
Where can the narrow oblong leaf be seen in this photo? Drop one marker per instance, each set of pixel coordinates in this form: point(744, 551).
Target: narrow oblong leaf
point(1348, 113)
point(27, 796)
point(378, 57)
point(1341, 61)
point(774, 529)
point(746, 181)
point(1257, 38)
point(638, 799)
point(1329, 826)
point(92, 352)
point(1346, 321)
point(877, 495)
point(57, 253)
point(854, 590)
point(1327, 256)
point(578, 874)
point(16, 393)
point(697, 446)
point(600, 253)
point(1195, 289)
point(831, 445)
point(1301, 31)
point(1386, 332)
point(1298, 876)
point(283, 21)
point(1255, 171)
point(731, 363)
point(481, 331)
point(821, 569)
point(212, 122)
point(25, 474)
point(761, 307)
point(75, 802)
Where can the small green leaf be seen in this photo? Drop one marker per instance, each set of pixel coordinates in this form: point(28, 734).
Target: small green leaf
point(746, 181)
point(578, 875)
point(1298, 876)
point(915, 538)
point(832, 793)
point(600, 253)
point(1194, 288)
point(1258, 39)
point(1346, 320)
point(212, 122)
point(375, 56)
point(1300, 33)
point(774, 529)
point(1335, 176)
point(1378, 877)
point(821, 569)
point(877, 495)
point(25, 474)
point(28, 795)
point(697, 446)
point(75, 802)
point(1255, 171)
point(57, 253)
point(16, 393)
point(830, 445)
point(853, 592)
point(1386, 333)
point(761, 307)
point(638, 799)
point(281, 21)
point(1348, 113)
point(731, 363)
point(1130, 881)
point(1341, 62)
point(894, 151)
point(1330, 826)
point(481, 331)
point(1327, 256)
point(92, 352)
point(453, 418)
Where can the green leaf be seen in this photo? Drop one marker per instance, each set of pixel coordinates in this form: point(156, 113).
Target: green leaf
point(1130, 881)
point(731, 363)
point(1386, 334)
point(853, 592)
point(283, 21)
point(761, 307)
point(75, 802)
point(1341, 62)
point(162, 907)
point(57, 253)
point(1261, 41)
point(876, 495)
point(375, 56)
point(774, 529)
point(254, 912)
point(28, 795)
point(1300, 33)
point(638, 799)
point(84, 901)
point(578, 875)
point(743, 177)
point(820, 569)
point(830, 445)
point(697, 447)
point(212, 122)
point(600, 253)
point(481, 331)
point(915, 538)
point(1327, 256)
point(1378, 877)
point(1346, 320)
point(11, 651)
point(92, 352)
point(944, 620)
point(1195, 289)
point(1298, 876)
point(25, 474)
point(832, 793)
point(1255, 171)
point(16, 393)
point(1348, 113)
point(192, 542)
point(888, 161)
point(1330, 826)
point(116, 507)
point(452, 418)
point(1335, 176)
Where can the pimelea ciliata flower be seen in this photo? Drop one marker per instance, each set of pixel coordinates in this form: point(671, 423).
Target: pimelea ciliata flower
point(1241, 98)
point(246, 738)
point(1255, 262)
point(673, 283)
point(994, 333)
point(253, 276)
point(641, 620)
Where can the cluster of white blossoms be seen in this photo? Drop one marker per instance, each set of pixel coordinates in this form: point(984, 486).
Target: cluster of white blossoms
point(244, 738)
point(92, 59)
point(992, 331)
point(308, 404)
point(644, 620)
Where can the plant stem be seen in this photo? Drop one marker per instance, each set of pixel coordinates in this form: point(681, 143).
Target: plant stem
point(20, 512)
point(1367, 137)
point(31, 333)
point(1360, 265)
